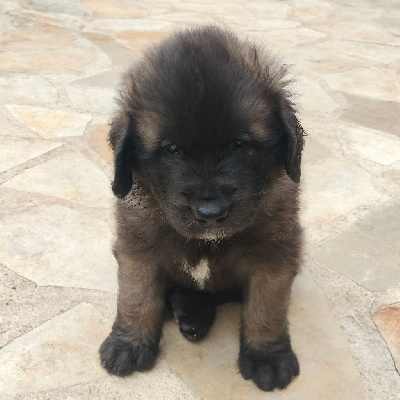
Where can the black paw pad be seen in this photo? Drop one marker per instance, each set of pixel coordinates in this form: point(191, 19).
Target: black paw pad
point(273, 366)
point(194, 312)
point(121, 357)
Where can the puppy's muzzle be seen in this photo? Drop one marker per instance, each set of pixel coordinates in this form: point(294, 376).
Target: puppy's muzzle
point(210, 212)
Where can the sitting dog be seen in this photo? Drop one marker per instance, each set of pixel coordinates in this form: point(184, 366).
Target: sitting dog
point(207, 152)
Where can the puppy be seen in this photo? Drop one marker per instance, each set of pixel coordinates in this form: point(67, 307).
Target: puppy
point(207, 152)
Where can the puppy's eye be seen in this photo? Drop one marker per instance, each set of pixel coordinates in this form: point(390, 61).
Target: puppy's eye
point(173, 149)
point(238, 143)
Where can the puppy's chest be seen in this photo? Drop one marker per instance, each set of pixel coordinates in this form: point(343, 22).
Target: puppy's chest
point(203, 269)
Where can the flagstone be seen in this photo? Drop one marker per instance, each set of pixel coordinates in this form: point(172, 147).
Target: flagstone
point(366, 252)
point(108, 79)
point(60, 353)
point(375, 146)
point(72, 7)
point(141, 40)
point(387, 321)
point(332, 188)
point(315, 150)
point(128, 24)
point(326, 363)
point(113, 9)
point(50, 123)
point(393, 174)
point(17, 150)
point(62, 60)
point(26, 89)
point(313, 98)
point(372, 113)
point(98, 141)
point(363, 82)
point(7, 6)
point(37, 37)
point(69, 176)
point(57, 246)
point(117, 53)
point(92, 99)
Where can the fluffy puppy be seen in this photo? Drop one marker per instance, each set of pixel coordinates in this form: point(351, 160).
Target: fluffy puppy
point(207, 152)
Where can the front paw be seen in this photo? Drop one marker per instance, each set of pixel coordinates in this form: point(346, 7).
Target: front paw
point(272, 366)
point(121, 357)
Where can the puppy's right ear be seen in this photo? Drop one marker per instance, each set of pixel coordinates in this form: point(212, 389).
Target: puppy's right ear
point(121, 139)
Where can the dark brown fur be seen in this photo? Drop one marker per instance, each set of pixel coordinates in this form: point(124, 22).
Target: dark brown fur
point(255, 250)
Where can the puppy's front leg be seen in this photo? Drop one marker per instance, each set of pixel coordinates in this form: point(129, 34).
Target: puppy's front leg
point(266, 355)
point(133, 342)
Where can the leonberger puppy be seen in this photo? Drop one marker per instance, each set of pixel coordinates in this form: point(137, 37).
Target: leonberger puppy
point(207, 150)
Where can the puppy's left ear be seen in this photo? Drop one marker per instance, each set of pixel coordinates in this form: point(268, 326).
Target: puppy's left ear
point(122, 142)
point(293, 140)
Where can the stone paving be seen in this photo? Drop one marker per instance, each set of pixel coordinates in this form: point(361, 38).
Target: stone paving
point(60, 62)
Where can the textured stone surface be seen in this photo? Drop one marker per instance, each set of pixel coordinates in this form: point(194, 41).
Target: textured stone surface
point(59, 64)
point(364, 82)
point(372, 113)
point(375, 146)
point(26, 89)
point(61, 352)
point(15, 150)
point(92, 99)
point(327, 368)
point(388, 322)
point(98, 141)
point(332, 188)
point(69, 176)
point(53, 245)
point(368, 251)
point(50, 123)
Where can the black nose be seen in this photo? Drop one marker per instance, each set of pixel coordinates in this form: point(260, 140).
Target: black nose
point(210, 211)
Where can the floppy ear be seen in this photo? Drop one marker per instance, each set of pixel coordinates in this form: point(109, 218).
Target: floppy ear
point(292, 140)
point(122, 142)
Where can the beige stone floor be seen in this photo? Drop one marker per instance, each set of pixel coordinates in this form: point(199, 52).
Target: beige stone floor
point(60, 61)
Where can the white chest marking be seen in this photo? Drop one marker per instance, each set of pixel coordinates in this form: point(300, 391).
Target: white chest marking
point(200, 273)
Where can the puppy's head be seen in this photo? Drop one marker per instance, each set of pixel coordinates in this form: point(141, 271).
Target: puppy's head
point(205, 124)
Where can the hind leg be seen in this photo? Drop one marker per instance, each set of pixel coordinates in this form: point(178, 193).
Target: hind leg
point(194, 311)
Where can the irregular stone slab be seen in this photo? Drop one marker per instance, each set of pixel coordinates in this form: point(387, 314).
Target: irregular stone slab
point(108, 79)
point(141, 40)
point(327, 368)
point(363, 82)
point(58, 7)
point(394, 175)
point(61, 60)
point(118, 54)
point(372, 113)
point(37, 37)
point(387, 321)
point(158, 384)
point(56, 246)
point(121, 25)
point(375, 146)
point(368, 252)
point(368, 53)
point(61, 352)
point(287, 37)
point(93, 99)
point(314, 150)
point(113, 9)
point(16, 150)
point(314, 98)
point(26, 89)
point(69, 176)
point(50, 123)
point(7, 6)
point(98, 142)
point(333, 188)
